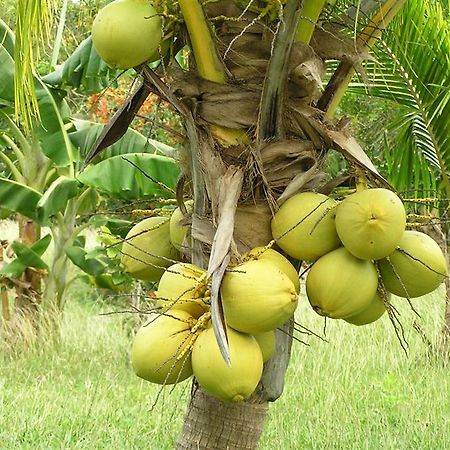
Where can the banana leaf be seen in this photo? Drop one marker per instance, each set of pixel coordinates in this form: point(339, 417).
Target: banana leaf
point(27, 257)
point(81, 259)
point(6, 74)
point(86, 134)
point(133, 176)
point(19, 198)
point(84, 70)
point(55, 198)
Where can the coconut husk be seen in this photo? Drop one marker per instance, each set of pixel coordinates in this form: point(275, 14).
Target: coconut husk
point(305, 73)
point(221, 8)
point(252, 226)
point(284, 160)
point(232, 108)
point(306, 181)
point(227, 105)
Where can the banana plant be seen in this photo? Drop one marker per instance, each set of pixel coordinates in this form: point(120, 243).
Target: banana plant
point(40, 182)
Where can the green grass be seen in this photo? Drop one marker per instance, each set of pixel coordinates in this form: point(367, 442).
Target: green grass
point(359, 391)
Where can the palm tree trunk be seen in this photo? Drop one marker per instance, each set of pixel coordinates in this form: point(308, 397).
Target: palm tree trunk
point(438, 234)
point(212, 424)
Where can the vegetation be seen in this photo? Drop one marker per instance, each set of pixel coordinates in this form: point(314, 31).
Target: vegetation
point(258, 129)
point(356, 391)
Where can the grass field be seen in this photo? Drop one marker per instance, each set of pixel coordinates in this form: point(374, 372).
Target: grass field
point(358, 391)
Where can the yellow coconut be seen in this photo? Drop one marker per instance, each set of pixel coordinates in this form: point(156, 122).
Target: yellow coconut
point(340, 286)
point(147, 250)
point(227, 383)
point(178, 232)
point(257, 297)
point(126, 33)
point(372, 313)
point(267, 343)
point(268, 254)
point(416, 268)
point(304, 226)
point(183, 286)
point(370, 223)
point(156, 347)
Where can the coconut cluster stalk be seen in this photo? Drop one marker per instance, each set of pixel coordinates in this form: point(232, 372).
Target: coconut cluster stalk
point(365, 40)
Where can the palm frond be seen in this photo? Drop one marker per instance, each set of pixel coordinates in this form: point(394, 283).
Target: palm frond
point(33, 28)
point(412, 68)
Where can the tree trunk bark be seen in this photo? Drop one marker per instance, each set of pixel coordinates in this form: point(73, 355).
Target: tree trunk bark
point(438, 234)
point(4, 293)
point(28, 299)
point(5, 304)
point(212, 424)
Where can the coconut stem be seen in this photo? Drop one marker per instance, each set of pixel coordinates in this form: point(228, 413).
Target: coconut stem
point(208, 64)
point(310, 14)
point(341, 79)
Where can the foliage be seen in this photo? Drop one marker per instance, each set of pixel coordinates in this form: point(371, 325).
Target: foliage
point(39, 171)
point(413, 71)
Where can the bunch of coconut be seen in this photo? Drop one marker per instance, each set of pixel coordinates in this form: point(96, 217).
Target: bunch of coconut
point(155, 243)
point(178, 341)
point(258, 295)
point(147, 250)
point(361, 252)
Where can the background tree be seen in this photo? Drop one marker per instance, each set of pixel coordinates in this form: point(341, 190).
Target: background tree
point(38, 181)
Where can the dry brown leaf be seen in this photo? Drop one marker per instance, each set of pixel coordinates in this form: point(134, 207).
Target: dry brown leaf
point(230, 186)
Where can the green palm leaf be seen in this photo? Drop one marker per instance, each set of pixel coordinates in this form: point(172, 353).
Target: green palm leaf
point(412, 68)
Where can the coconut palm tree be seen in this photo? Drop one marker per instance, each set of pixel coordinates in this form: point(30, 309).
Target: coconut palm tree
point(257, 129)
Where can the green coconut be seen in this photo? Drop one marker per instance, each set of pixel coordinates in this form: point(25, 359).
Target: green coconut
point(178, 232)
point(257, 297)
point(227, 383)
point(304, 226)
point(416, 268)
point(147, 251)
point(183, 286)
point(370, 314)
point(370, 223)
point(126, 33)
point(156, 346)
point(268, 254)
point(340, 286)
point(267, 343)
